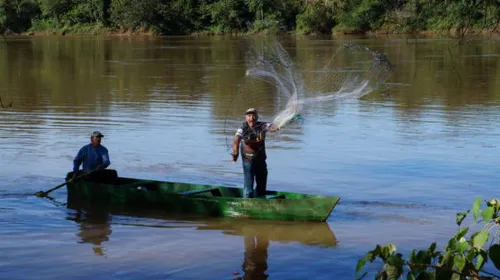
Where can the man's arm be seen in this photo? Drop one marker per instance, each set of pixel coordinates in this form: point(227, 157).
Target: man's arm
point(271, 127)
point(77, 161)
point(105, 159)
point(236, 144)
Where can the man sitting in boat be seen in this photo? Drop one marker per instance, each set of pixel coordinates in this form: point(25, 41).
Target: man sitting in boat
point(253, 152)
point(93, 156)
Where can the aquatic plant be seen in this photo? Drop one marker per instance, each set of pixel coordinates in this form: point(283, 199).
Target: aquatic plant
point(465, 256)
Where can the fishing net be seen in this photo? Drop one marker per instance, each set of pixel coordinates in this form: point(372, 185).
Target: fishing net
point(350, 72)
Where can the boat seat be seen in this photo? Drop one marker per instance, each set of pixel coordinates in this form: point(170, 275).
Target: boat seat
point(214, 191)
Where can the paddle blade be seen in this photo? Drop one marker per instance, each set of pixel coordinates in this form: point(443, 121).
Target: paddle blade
point(41, 194)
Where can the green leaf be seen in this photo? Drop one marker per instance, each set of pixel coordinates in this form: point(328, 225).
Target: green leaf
point(361, 264)
point(488, 214)
point(422, 257)
point(478, 239)
point(381, 275)
point(461, 216)
point(459, 262)
point(374, 253)
point(393, 272)
point(410, 276)
point(462, 245)
point(475, 208)
point(461, 233)
point(481, 259)
point(494, 254)
point(493, 202)
point(362, 276)
point(471, 255)
point(427, 275)
point(396, 260)
point(432, 247)
point(387, 251)
point(447, 258)
point(413, 256)
point(451, 244)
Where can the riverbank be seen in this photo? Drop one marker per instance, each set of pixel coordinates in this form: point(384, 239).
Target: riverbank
point(148, 33)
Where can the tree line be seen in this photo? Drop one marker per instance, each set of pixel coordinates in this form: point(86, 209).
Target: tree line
point(179, 17)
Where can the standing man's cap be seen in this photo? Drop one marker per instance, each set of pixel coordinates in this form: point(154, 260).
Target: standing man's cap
point(97, 134)
point(251, 111)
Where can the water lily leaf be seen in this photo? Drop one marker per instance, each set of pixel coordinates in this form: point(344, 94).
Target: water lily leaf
point(479, 239)
point(494, 254)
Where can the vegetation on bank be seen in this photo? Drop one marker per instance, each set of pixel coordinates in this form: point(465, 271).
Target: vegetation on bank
point(177, 17)
point(474, 255)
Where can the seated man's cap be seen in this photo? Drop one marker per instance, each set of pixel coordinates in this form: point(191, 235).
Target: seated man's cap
point(97, 134)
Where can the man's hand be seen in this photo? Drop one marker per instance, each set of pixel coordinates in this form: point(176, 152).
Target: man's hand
point(272, 128)
point(100, 166)
point(74, 176)
point(235, 157)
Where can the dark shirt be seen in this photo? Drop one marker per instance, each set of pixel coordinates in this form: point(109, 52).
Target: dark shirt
point(91, 157)
point(253, 144)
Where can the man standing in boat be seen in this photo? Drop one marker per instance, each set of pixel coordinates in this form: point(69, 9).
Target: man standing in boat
point(93, 155)
point(253, 152)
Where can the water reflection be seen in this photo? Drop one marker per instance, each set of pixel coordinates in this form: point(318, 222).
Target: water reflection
point(255, 264)
point(95, 228)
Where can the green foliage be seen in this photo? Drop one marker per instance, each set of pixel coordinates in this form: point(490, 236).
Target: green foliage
point(463, 256)
point(318, 17)
point(226, 16)
point(249, 16)
point(362, 15)
point(15, 15)
point(134, 15)
point(3, 17)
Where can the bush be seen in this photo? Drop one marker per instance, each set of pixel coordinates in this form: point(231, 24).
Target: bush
point(465, 255)
point(316, 18)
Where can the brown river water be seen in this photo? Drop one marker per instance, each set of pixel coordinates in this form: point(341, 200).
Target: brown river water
point(403, 159)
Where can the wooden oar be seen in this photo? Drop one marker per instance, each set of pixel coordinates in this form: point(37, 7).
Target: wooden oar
point(44, 194)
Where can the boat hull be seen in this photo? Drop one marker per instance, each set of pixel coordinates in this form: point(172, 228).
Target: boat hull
point(128, 194)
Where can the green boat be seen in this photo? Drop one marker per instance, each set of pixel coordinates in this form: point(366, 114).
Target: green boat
point(108, 191)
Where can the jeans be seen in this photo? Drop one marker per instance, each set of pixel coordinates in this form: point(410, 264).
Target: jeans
point(254, 170)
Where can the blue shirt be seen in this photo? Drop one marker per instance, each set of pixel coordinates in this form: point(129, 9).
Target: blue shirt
point(91, 157)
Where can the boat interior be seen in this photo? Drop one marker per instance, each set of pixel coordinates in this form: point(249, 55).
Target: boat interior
point(110, 177)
